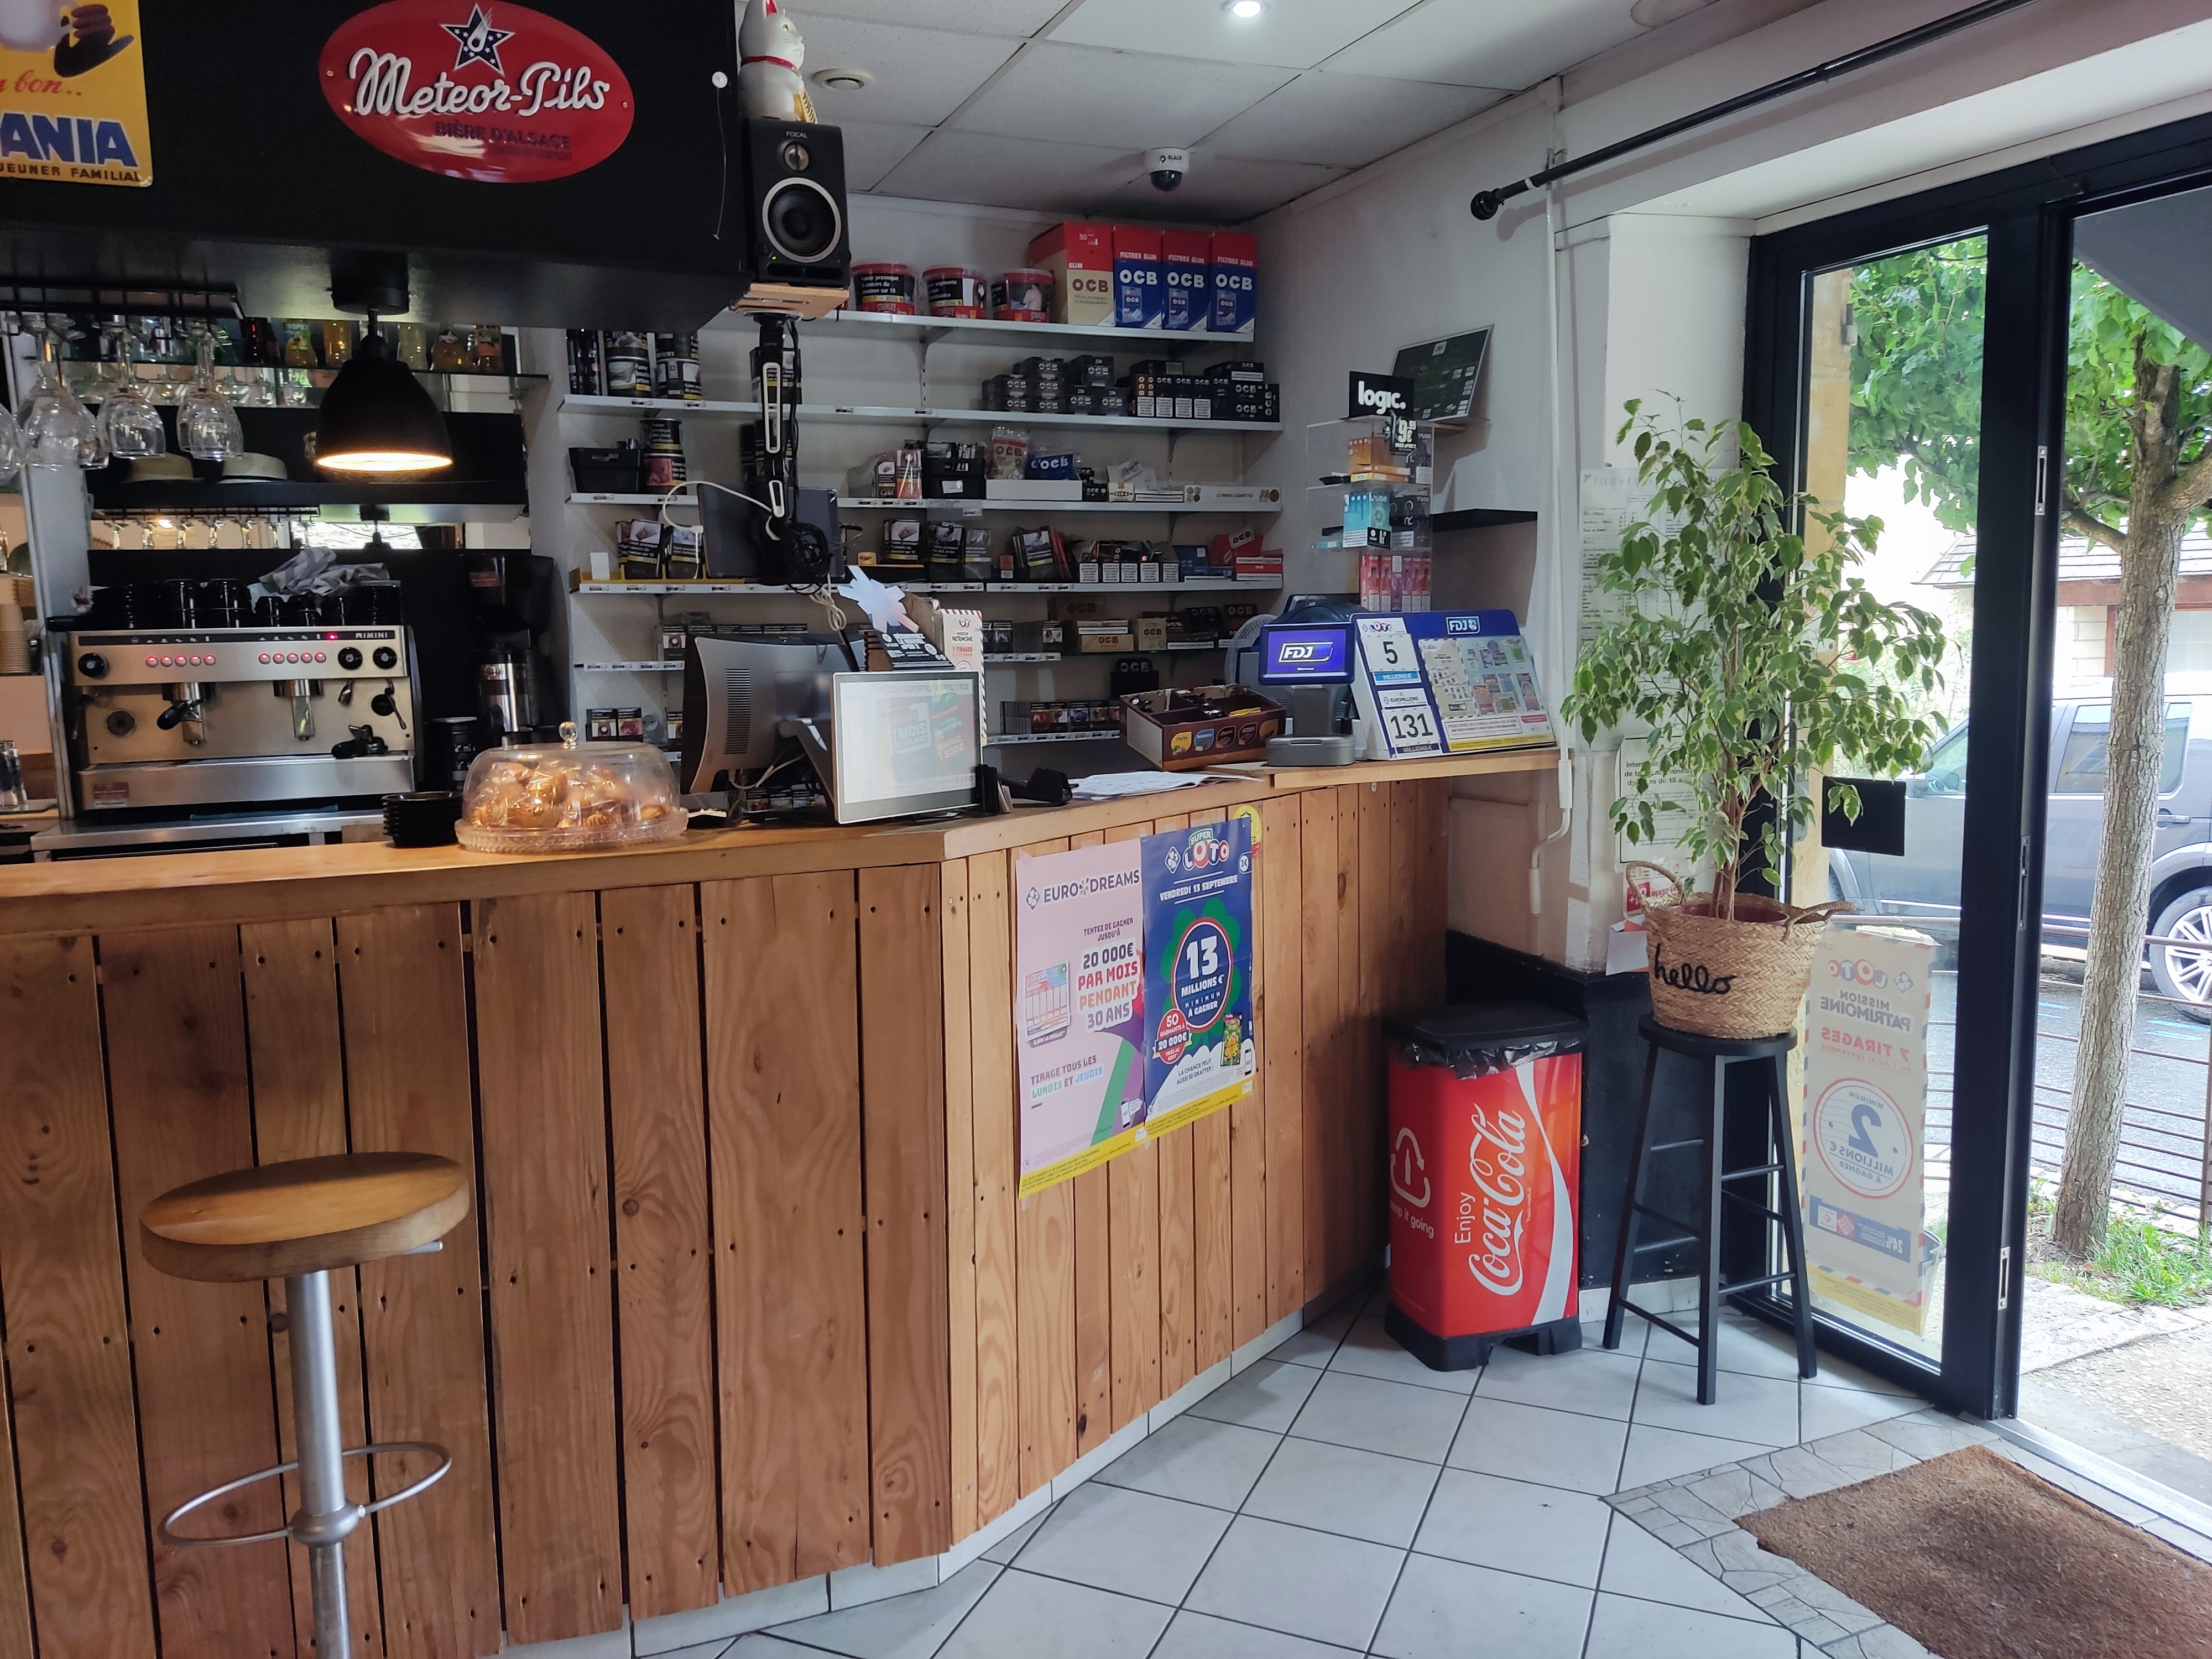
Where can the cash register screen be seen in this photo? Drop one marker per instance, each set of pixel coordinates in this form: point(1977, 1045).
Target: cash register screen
point(1316, 655)
point(903, 742)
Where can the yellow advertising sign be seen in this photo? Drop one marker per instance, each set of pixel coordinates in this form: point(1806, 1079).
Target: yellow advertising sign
point(73, 93)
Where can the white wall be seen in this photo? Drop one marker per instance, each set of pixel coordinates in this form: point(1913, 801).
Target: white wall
point(1651, 273)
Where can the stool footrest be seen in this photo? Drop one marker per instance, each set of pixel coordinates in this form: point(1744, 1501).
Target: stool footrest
point(1678, 1145)
point(384, 1447)
point(1663, 1324)
point(1755, 1284)
point(1755, 1170)
point(1757, 1208)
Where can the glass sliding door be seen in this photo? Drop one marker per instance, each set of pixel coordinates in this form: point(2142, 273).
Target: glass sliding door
point(1946, 364)
point(1892, 417)
point(2113, 1356)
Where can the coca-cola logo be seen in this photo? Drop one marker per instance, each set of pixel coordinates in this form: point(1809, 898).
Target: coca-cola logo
point(494, 94)
point(1498, 1164)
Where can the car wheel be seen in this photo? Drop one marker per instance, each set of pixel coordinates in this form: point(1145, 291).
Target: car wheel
point(2184, 971)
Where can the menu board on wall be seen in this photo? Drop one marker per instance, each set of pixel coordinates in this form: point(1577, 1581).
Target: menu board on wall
point(1447, 681)
point(1132, 992)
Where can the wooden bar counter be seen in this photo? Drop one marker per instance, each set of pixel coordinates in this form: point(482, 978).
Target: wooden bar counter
point(747, 1295)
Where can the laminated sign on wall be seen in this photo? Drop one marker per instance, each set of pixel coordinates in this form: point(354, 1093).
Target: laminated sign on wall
point(1133, 1011)
point(74, 106)
point(1863, 1140)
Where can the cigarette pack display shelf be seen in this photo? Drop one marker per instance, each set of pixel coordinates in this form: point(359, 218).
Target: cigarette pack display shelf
point(998, 659)
point(1204, 585)
point(885, 413)
point(576, 403)
point(891, 504)
point(961, 330)
point(1052, 736)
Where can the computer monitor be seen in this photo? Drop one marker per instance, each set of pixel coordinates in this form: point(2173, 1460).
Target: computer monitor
point(1317, 653)
point(736, 692)
point(903, 742)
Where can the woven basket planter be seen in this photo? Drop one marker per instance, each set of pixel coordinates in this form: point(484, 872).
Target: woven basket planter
point(1723, 978)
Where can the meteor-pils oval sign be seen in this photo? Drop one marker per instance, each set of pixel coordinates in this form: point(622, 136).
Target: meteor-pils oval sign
point(494, 94)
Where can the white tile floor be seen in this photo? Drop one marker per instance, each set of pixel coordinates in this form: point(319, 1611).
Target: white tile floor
point(1341, 1498)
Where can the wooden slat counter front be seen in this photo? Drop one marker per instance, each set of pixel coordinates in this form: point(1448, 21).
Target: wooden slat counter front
point(765, 1078)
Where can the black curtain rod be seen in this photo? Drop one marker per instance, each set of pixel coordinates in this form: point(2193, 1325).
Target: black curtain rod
point(1486, 202)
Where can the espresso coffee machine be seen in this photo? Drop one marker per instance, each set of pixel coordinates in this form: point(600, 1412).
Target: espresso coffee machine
point(197, 719)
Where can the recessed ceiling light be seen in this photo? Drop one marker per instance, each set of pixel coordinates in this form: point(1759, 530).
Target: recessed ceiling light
point(1245, 11)
point(844, 79)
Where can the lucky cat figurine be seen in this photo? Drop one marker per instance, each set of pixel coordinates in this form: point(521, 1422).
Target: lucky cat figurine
point(770, 52)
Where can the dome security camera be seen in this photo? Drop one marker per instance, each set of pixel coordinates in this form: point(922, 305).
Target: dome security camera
point(1167, 166)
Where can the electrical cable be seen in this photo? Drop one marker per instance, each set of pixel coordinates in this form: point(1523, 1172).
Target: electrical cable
point(1485, 203)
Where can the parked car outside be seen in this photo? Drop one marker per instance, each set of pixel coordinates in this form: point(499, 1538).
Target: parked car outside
point(1923, 883)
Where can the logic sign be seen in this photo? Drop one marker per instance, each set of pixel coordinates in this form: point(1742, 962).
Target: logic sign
point(493, 93)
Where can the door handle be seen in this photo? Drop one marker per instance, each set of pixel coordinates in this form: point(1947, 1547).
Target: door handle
point(2169, 819)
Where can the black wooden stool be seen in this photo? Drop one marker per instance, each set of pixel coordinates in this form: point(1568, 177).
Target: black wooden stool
point(1718, 1054)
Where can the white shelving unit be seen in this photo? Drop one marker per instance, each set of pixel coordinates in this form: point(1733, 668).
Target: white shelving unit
point(990, 504)
point(608, 667)
point(766, 591)
point(985, 330)
point(941, 503)
point(898, 415)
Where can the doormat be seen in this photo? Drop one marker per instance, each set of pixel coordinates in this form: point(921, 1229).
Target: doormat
point(1977, 1559)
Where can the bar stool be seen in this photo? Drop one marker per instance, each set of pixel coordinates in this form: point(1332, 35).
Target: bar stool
point(297, 1222)
point(1717, 1054)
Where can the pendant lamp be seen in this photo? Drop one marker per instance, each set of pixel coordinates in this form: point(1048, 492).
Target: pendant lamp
point(376, 419)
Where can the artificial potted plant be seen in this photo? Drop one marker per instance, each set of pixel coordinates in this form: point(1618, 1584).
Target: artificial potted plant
point(1756, 660)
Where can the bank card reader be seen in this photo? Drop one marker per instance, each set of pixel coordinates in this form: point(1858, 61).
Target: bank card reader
point(1308, 667)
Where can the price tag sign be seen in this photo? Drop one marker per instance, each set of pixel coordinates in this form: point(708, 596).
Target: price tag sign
point(1404, 723)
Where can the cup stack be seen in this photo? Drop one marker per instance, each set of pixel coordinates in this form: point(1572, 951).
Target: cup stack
point(15, 642)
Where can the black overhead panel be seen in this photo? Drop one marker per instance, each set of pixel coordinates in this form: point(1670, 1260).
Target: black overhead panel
point(256, 181)
point(2157, 253)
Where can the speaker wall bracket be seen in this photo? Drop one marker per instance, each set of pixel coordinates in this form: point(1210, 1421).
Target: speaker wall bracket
point(789, 299)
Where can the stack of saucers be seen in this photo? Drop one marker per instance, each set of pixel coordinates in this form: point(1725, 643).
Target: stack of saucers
point(423, 819)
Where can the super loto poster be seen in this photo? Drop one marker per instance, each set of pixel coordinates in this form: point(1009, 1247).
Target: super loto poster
point(1133, 994)
point(1863, 1134)
point(1197, 970)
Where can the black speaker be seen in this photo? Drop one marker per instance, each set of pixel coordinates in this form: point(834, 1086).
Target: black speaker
point(796, 228)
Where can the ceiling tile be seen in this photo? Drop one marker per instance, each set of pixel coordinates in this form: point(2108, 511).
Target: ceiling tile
point(1127, 101)
point(873, 149)
point(1345, 120)
point(1498, 43)
point(1014, 18)
point(1292, 34)
point(1015, 172)
point(921, 75)
point(1220, 189)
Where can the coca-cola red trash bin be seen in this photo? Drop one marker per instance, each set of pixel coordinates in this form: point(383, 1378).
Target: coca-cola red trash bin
point(1485, 1176)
